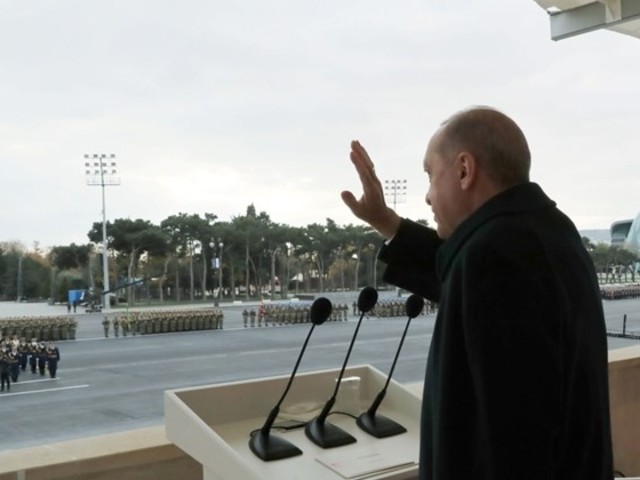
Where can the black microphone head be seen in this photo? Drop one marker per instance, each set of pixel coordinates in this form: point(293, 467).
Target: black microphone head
point(320, 310)
point(367, 299)
point(414, 306)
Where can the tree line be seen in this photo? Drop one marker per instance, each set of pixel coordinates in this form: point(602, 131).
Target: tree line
point(613, 263)
point(191, 257)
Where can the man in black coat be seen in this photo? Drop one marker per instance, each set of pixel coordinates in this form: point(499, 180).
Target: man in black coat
point(516, 384)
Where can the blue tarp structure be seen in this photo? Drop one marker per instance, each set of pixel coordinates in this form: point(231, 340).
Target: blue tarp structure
point(76, 296)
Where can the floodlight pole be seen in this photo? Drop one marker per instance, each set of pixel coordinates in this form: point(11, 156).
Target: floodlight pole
point(100, 173)
point(396, 190)
point(216, 262)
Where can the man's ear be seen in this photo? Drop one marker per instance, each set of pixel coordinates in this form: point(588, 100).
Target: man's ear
point(467, 170)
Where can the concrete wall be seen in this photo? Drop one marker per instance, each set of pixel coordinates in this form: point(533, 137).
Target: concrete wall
point(143, 454)
point(146, 454)
point(624, 391)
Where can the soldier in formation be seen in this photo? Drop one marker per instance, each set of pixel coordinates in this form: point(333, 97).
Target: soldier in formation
point(16, 353)
point(52, 357)
point(291, 313)
point(105, 325)
point(34, 350)
point(5, 378)
point(620, 292)
point(277, 314)
point(14, 362)
point(9, 363)
point(42, 358)
point(23, 353)
point(46, 328)
point(396, 308)
point(165, 321)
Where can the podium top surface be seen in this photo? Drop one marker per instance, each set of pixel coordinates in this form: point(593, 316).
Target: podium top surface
point(213, 425)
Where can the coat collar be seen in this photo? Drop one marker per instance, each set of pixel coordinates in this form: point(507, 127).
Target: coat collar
point(526, 197)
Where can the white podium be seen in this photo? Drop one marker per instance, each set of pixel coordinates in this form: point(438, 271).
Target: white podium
point(213, 424)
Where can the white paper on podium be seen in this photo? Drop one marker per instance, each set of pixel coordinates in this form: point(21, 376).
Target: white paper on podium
point(367, 462)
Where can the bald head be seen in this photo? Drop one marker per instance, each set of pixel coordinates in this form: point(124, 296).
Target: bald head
point(496, 142)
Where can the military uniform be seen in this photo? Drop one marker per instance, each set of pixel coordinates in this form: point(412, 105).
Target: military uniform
point(53, 357)
point(105, 325)
point(42, 358)
point(14, 364)
point(33, 355)
point(4, 370)
point(23, 354)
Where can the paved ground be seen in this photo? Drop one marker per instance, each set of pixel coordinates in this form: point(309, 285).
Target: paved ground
point(114, 384)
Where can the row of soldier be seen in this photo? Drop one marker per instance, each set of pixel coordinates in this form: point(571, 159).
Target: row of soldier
point(55, 327)
point(620, 292)
point(277, 314)
point(148, 322)
point(395, 308)
point(16, 354)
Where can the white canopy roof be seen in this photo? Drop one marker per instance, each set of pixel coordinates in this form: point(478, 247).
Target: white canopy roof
point(573, 17)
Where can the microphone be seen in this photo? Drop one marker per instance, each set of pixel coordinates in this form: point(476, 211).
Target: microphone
point(378, 425)
point(327, 435)
point(271, 447)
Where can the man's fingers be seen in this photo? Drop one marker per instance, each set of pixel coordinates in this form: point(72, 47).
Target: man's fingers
point(371, 185)
point(350, 201)
point(371, 206)
point(358, 150)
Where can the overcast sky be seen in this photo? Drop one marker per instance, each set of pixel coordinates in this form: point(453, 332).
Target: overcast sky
point(212, 105)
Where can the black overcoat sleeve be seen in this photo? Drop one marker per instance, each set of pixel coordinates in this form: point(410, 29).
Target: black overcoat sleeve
point(410, 259)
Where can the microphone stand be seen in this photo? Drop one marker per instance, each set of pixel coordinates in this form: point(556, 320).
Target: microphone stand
point(378, 425)
point(320, 432)
point(271, 447)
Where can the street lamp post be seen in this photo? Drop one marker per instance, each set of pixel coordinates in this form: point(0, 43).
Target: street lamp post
point(220, 246)
point(216, 262)
point(100, 170)
point(272, 281)
point(19, 289)
point(395, 191)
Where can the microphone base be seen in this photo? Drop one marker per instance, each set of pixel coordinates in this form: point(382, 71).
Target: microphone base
point(327, 435)
point(271, 447)
point(379, 426)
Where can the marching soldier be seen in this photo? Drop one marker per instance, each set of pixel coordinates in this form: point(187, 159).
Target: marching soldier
point(245, 317)
point(124, 324)
point(105, 325)
point(42, 357)
point(14, 363)
point(23, 354)
point(4, 369)
point(133, 324)
point(33, 355)
point(53, 357)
